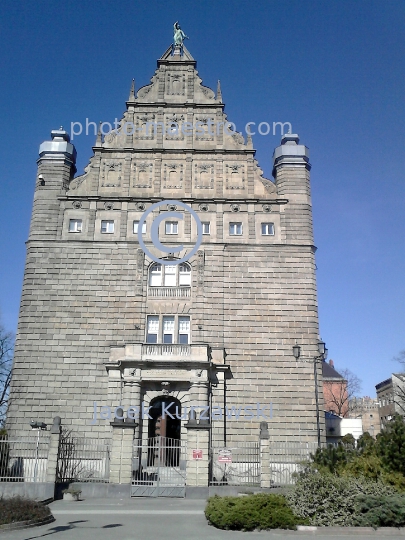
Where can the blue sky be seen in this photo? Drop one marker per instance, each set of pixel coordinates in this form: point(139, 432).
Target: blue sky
point(334, 69)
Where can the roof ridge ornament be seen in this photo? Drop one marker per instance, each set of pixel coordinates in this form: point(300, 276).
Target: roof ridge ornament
point(132, 91)
point(219, 93)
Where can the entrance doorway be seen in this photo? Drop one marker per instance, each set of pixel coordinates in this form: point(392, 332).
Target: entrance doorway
point(163, 425)
point(164, 430)
point(159, 467)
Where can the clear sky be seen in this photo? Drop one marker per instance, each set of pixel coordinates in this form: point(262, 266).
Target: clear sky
point(334, 70)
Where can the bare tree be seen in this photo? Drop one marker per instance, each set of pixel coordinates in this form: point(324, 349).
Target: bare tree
point(341, 393)
point(6, 361)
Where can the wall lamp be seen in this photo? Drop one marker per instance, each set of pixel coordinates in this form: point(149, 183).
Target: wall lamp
point(38, 425)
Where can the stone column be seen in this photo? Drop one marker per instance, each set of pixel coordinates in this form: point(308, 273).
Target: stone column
point(53, 450)
point(132, 391)
point(265, 475)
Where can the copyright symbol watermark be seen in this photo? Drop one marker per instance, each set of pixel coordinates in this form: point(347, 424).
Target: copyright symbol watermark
point(154, 234)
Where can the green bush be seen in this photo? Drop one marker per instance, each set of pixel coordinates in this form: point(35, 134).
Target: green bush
point(21, 509)
point(332, 458)
point(391, 445)
point(376, 511)
point(259, 511)
point(327, 499)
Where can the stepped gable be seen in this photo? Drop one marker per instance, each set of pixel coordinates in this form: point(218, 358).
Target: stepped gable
point(153, 140)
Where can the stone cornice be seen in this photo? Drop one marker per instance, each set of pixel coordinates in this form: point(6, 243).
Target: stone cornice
point(177, 105)
point(134, 150)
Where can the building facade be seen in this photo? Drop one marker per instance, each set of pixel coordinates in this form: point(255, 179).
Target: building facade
point(391, 397)
point(366, 408)
point(102, 324)
point(335, 395)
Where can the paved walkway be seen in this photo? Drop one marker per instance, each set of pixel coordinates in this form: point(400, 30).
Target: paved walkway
point(158, 519)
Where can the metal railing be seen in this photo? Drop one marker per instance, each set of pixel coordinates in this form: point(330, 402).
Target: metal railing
point(24, 459)
point(163, 349)
point(81, 459)
point(159, 468)
point(236, 465)
point(169, 292)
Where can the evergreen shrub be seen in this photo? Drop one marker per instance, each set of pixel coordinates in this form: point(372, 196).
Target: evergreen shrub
point(259, 511)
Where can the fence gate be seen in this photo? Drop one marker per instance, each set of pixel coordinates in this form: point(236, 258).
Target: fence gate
point(159, 468)
point(236, 465)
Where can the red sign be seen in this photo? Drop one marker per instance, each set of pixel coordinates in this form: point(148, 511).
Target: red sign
point(197, 454)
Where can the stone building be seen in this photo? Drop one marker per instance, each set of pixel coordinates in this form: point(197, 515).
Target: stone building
point(366, 408)
point(391, 397)
point(102, 323)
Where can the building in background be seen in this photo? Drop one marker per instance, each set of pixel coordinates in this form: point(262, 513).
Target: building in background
point(367, 409)
point(391, 397)
point(336, 399)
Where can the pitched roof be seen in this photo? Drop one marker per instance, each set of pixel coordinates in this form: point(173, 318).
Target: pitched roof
point(330, 372)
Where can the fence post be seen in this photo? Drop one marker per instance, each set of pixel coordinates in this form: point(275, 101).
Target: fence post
point(53, 451)
point(197, 464)
point(265, 476)
point(122, 449)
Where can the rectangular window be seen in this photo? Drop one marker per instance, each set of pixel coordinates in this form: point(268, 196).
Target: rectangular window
point(184, 330)
point(268, 229)
point(75, 225)
point(155, 279)
point(152, 329)
point(184, 275)
point(235, 229)
point(136, 224)
point(206, 227)
point(107, 226)
point(168, 329)
point(171, 227)
point(170, 276)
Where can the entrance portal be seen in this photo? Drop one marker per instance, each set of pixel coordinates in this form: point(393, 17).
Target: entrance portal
point(164, 425)
point(159, 467)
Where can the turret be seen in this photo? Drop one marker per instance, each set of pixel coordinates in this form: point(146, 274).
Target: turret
point(56, 167)
point(291, 173)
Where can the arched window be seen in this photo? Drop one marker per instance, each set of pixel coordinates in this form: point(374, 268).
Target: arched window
point(163, 275)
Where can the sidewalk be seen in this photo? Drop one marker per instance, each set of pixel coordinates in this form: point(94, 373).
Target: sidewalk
point(153, 519)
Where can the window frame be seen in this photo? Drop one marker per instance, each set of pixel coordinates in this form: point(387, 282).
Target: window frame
point(160, 334)
point(172, 224)
point(163, 271)
point(136, 222)
point(107, 222)
point(235, 224)
point(265, 226)
point(76, 229)
point(203, 223)
point(148, 320)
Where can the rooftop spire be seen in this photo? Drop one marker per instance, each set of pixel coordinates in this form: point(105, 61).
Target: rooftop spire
point(99, 140)
point(132, 91)
point(219, 93)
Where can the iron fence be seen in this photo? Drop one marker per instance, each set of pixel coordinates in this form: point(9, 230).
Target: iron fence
point(24, 459)
point(81, 459)
point(236, 465)
point(287, 459)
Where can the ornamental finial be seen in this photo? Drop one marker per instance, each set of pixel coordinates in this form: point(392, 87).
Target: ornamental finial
point(179, 35)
